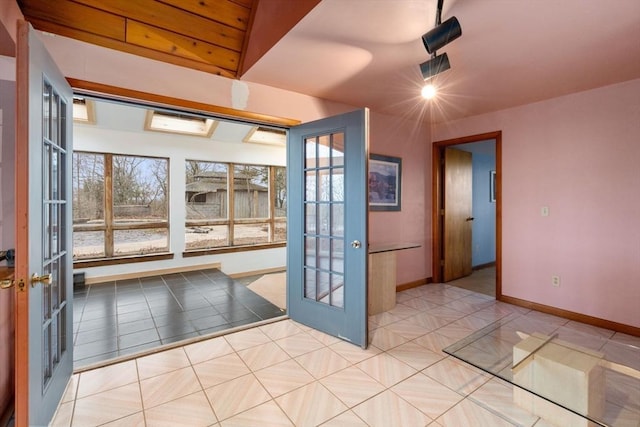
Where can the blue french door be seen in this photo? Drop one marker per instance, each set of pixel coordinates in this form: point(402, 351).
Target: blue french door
point(327, 225)
point(44, 293)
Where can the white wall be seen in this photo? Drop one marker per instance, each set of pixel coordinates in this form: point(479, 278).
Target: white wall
point(131, 139)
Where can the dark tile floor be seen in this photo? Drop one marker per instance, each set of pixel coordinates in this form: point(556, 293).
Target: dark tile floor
point(128, 316)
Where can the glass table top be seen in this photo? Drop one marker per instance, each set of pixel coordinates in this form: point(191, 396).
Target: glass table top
point(560, 375)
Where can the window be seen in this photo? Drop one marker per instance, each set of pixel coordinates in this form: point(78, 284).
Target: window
point(120, 205)
point(234, 205)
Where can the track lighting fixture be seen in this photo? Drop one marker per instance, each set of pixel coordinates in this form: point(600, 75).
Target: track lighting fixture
point(434, 66)
point(437, 38)
point(441, 35)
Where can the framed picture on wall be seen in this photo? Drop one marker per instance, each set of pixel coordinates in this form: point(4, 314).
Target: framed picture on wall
point(385, 183)
point(492, 186)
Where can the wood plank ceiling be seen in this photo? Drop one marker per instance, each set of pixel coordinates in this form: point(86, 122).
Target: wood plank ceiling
point(208, 35)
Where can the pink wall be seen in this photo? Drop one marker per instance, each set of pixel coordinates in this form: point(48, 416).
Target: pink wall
point(394, 136)
point(578, 155)
point(7, 221)
point(9, 13)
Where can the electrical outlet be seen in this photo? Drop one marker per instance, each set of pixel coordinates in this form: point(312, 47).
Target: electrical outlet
point(555, 281)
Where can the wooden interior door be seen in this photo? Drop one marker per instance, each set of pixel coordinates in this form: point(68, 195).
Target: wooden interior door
point(43, 272)
point(458, 214)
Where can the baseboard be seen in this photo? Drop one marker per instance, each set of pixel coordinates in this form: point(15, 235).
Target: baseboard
point(257, 272)
point(483, 266)
point(414, 284)
point(571, 315)
point(137, 274)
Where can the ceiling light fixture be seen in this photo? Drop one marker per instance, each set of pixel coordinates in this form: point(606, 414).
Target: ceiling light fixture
point(429, 91)
point(437, 38)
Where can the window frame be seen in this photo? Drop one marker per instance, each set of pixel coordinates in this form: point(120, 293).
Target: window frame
point(109, 226)
point(231, 221)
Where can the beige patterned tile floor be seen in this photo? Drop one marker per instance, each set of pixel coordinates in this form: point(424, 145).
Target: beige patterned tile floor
point(286, 374)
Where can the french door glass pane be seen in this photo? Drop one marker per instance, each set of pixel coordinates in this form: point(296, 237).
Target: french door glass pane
point(54, 199)
point(324, 219)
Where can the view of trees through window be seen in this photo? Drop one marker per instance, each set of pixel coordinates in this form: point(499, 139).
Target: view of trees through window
point(234, 204)
point(120, 205)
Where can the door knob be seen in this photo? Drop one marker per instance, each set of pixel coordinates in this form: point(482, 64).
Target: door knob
point(6, 284)
point(356, 244)
point(46, 279)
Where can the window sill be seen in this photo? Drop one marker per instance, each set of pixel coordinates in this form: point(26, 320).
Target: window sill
point(99, 262)
point(232, 249)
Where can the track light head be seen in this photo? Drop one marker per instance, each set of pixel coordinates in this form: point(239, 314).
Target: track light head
point(442, 34)
point(434, 66)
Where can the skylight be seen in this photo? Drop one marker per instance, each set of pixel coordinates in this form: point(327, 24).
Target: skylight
point(83, 110)
point(264, 135)
point(163, 121)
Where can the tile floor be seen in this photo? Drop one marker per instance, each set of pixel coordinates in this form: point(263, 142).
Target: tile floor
point(128, 316)
point(285, 374)
point(482, 281)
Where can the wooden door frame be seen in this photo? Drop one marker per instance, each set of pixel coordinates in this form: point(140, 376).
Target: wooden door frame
point(437, 194)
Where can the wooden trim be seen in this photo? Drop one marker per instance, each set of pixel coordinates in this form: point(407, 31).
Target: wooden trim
point(22, 226)
point(437, 201)
point(436, 206)
point(136, 96)
point(231, 201)
point(121, 260)
point(232, 249)
point(272, 203)
point(572, 315)
point(136, 274)
point(128, 226)
point(257, 272)
point(108, 205)
point(414, 284)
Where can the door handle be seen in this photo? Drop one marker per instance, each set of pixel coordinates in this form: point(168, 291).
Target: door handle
point(356, 244)
point(6, 284)
point(46, 279)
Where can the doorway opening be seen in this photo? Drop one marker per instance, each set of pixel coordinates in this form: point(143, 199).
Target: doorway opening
point(170, 208)
point(482, 266)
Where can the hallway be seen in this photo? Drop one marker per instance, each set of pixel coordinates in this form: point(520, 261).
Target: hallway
point(482, 281)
